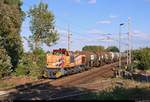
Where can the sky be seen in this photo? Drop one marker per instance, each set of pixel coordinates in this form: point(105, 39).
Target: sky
point(95, 22)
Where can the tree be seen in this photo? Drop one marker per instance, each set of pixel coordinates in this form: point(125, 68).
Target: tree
point(93, 48)
point(43, 32)
point(142, 58)
point(112, 49)
point(42, 26)
point(5, 63)
point(11, 17)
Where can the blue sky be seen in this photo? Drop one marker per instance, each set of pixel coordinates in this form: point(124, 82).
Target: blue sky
point(95, 22)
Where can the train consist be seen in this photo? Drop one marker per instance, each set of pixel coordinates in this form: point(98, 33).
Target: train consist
point(61, 62)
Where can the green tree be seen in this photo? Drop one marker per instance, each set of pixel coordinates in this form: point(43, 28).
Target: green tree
point(38, 59)
point(93, 48)
point(5, 63)
point(142, 58)
point(42, 26)
point(43, 32)
point(11, 17)
point(112, 49)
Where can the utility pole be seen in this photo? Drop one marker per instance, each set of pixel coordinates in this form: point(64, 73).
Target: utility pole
point(120, 46)
point(68, 37)
point(129, 41)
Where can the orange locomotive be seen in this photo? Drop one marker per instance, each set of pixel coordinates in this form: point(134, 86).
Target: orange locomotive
point(62, 62)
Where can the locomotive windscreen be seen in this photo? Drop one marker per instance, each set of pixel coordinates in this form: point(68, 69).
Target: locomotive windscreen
point(60, 51)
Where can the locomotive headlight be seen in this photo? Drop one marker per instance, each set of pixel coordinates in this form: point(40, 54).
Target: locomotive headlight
point(53, 64)
point(92, 57)
point(57, 60)
point(99, 58)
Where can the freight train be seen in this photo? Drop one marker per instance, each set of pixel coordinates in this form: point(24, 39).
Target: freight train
point(61, 62)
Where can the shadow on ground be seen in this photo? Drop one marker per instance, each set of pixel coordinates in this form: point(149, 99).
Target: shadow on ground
point(119, 93)
point(141, 77)
point(46, 91)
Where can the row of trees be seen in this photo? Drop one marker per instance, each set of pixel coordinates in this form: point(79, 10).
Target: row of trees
point(100, 48)
point(12, 56)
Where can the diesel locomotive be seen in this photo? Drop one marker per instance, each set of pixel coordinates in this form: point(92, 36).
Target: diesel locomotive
point(61, 62)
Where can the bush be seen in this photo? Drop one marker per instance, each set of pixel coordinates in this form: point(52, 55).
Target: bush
point(24, 65)
point(142, 58)
point(35, 71)
point(5, 63)
point(32, 64)
point(39, 63)
point(41, 57)
point(21, 70)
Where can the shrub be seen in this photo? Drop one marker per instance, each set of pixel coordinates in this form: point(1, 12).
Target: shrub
point(32, 64)
point(24, 65)
point(5, 63)
point(35, 71)
point(39, 63)
point(21, 70)
point(142, 58)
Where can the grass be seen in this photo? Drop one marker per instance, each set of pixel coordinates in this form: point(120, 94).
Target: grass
point(129, 91)
point(6, 85)
point(115, 94)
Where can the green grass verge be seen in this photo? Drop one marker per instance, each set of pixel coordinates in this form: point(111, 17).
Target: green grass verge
point(114, 94)
point(6, 85)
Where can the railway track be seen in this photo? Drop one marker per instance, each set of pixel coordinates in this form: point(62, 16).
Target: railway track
point(103, 71)
point(52, 89)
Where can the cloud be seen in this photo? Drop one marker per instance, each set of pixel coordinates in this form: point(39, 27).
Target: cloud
point(137, 33)
point(113, 16)
point(91, 1)
point(65, 14)
point(61, 31)
point(107, 38)
point(94, 31)
point(107, 21)
point(104, 22)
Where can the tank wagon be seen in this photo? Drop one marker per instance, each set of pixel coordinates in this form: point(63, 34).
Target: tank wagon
point(61, 62)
